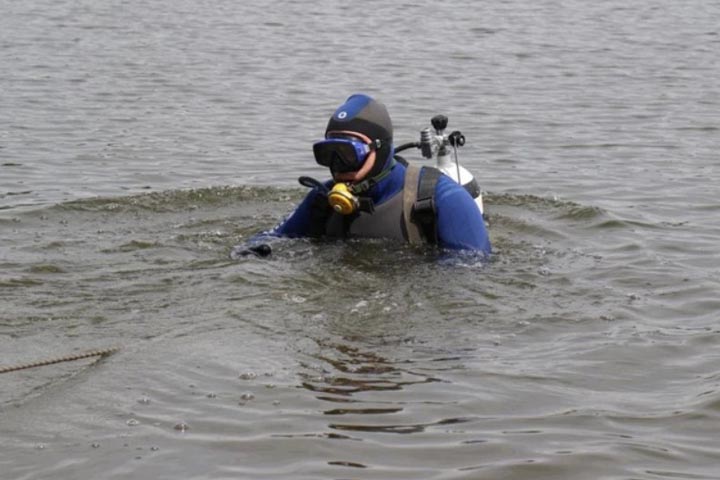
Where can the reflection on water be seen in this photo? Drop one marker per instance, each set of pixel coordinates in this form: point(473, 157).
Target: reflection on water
point(354, 371)
point(350, 373)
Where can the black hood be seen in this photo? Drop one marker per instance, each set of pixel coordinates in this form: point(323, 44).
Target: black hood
point(363, 114)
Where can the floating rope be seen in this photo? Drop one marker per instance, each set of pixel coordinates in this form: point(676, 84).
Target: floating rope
point(67, 358)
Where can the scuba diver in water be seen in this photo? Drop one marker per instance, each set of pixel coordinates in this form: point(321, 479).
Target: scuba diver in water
point(375, 194)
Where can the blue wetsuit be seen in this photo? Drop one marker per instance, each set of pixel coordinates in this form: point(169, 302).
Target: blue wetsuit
point(459, 224)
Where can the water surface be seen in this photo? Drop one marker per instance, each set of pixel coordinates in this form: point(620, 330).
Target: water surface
point(140, 140)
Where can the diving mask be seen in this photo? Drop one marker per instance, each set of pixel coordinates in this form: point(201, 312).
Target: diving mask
point(343, 154)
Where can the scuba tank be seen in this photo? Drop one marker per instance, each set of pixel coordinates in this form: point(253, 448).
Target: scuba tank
point(443, 148)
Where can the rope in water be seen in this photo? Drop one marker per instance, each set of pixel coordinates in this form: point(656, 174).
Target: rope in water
point(67, 358)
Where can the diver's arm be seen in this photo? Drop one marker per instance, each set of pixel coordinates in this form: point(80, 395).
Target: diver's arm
point(460, 224)
point(298, 224)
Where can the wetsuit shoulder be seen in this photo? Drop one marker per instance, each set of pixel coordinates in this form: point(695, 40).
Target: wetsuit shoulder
point(460, 225)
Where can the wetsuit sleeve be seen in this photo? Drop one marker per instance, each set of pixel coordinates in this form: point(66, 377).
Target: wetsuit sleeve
point(302, 222)
point(460, 224)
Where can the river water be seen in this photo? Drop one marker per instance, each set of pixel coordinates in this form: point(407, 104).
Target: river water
point(140, 140)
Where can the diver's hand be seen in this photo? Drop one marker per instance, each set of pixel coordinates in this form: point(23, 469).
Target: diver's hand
point(262, 250)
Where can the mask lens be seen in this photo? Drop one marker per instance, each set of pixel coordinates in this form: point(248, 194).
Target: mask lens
point(340, 155)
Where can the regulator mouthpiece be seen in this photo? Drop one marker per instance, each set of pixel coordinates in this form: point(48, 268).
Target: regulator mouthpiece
point(342, 200)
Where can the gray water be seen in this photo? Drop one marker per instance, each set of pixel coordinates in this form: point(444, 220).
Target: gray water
point(140, 140)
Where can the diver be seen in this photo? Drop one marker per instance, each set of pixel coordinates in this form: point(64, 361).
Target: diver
point(376, 194)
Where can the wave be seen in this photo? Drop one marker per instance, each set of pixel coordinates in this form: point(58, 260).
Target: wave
point(179, 199)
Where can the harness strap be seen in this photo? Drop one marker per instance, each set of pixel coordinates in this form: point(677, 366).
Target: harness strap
point(424, 212)
point(419, 211)
point(410, 190)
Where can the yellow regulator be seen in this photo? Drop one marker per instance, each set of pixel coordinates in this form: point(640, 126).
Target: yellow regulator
point(342, 200)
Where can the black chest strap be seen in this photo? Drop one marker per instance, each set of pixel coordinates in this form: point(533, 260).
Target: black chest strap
point(419, 210)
